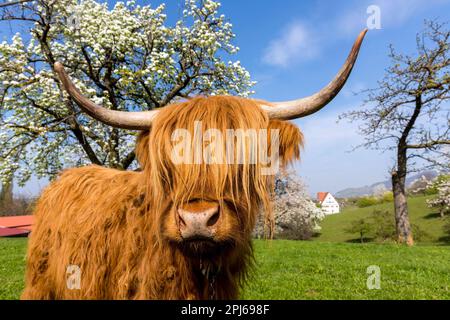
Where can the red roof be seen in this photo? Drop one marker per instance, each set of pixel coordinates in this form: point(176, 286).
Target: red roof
point(16, 221)
point(9, 232)
point(321, 196)
point(27, 228)
point(22, 223)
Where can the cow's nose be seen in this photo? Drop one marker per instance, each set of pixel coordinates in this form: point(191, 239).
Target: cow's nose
point(198, 224)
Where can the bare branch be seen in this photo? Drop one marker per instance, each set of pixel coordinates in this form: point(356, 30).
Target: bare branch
point(428, 144)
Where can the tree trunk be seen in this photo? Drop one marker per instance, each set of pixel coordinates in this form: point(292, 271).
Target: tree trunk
point(403, 227)
point(6, 196)
point(6, 193)
point(402, 224)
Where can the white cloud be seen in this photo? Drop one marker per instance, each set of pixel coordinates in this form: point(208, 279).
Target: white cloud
point(325, 131)
point(296, 43)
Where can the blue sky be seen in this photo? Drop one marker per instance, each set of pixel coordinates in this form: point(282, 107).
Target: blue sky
point(293, 48)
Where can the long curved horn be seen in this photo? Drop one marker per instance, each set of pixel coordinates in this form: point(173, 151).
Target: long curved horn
point(140, 120)
point(288, 110)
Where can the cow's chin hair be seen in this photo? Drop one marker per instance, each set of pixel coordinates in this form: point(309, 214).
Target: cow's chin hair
point(204, 248)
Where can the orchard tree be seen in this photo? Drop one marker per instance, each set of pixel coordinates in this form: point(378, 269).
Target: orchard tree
point(125, 58)
point(296, 216)
point(408, 113)
point(361, 227)
point(442, 199)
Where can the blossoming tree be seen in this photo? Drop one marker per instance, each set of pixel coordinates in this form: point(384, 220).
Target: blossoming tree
point(442, 200)
point(296, 216)
point(125, 58)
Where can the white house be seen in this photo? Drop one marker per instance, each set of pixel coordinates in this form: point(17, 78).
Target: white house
point(328, 203)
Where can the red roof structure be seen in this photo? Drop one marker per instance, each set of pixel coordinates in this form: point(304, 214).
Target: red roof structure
point(16, 225)
point(13, 232)
point(16, 221)
point(321, 196)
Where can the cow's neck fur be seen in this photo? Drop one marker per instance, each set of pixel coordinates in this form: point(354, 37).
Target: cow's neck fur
point(185, 276)
point(181, 277)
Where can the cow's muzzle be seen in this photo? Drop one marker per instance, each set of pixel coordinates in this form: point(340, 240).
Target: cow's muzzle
point(199, 225)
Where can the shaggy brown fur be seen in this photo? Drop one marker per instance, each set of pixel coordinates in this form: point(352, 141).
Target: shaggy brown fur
point(120, 227)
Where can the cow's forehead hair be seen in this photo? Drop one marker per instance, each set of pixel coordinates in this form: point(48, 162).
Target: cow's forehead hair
point(217, 112)
point(243, 182)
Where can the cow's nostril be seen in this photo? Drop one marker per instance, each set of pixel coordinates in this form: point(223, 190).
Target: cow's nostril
point(213, 219)
point(182, 222)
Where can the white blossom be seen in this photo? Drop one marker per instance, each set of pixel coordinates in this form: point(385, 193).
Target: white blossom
point(42, 129)
point(442, 200)
point(296, 215)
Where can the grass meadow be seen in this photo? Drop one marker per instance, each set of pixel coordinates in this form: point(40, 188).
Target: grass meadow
point(331, 266)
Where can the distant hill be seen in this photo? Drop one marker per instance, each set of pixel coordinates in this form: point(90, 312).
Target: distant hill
point(381, 187)
point(334, 226)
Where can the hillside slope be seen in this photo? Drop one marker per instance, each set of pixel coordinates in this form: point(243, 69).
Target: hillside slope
point(333, 227)
point(383, 185)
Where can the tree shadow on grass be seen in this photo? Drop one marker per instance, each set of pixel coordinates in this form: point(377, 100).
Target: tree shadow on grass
point(445, 240)
point(358, 240)
point(316, 235)
point(433, 215)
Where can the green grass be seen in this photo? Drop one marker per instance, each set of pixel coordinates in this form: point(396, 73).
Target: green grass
point(308, 270)
point(333, 226)
point(315, 270)
point(12, 267)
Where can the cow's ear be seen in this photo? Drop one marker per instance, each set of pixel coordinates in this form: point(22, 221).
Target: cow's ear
point(142, 149)
point(290, 140)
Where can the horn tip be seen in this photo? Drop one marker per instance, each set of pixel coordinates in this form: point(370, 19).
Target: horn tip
point(360, 39)
point(363, 32)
